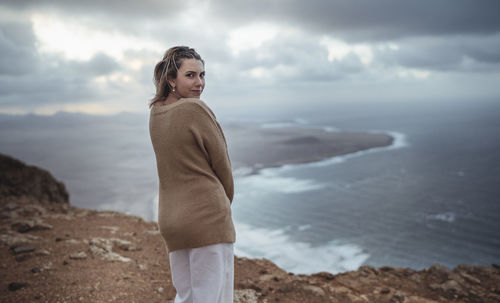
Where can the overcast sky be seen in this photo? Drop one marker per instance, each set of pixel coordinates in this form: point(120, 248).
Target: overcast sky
point(98, 56)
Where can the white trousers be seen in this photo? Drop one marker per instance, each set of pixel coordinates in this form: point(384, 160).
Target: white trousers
point(204, 274)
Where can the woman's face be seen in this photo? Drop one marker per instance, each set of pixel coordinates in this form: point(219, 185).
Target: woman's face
point(190, 79)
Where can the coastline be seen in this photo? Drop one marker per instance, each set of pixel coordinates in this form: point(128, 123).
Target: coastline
point(277, 243)
point(54, 252)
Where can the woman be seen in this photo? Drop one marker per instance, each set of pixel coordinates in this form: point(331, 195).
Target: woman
point(195, 181)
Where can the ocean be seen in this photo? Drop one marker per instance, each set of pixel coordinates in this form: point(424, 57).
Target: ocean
point(431, 197)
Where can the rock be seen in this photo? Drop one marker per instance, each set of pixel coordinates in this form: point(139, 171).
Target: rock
point(317, 291)
point(112, 229)
point(415, 277)
point(22, 249)
point(339, 290)
point(27, 208)
point(30, 225)
point(397, 298)
point(80, 213)
point(435, 286)
point(22, 258)
point(73, 241)
point(266, 277)
point(470, 278)
point(440, 270)
point(285, 288)
point(324, 275)
point(104, 248)
point(10, 206)
point(160, 290)
point(417, 299)
point(124, 244)
point(368, 270)
point(357, 299)
point(11, 238)
point(47, 266)
point(13, 286)
point(78, 256)
point(385, 291)
point(245, 296)
point(451, 289)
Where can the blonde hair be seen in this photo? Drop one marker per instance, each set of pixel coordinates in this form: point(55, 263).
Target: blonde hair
point(167, 69)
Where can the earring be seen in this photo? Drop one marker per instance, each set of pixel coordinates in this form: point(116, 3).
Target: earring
point(173, 89)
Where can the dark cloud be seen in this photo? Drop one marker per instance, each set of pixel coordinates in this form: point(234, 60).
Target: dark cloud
point(99, 64)
point(484, 49)
point(367, 20)
point(353, 20)
point(110, 8)
point(17, 48)
point(455, 53)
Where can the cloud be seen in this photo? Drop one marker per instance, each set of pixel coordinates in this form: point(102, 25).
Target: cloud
point(366, 20)
point(30, 79)
point(93, 55)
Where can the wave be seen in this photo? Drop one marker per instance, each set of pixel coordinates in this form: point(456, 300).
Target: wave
point(448, 217)
point(297, 123)
point(269, 180)
point(297, 257)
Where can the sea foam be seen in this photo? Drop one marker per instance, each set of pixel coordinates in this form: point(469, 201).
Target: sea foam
point(448, 217)
point(296, 257)
point(269, 180)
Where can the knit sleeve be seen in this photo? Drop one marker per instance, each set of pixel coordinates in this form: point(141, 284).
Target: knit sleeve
point(211, 140)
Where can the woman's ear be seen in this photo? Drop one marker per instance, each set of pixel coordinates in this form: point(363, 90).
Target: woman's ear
point(171, 82)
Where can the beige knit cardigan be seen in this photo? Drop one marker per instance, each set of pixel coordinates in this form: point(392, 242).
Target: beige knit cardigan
point(195, 180)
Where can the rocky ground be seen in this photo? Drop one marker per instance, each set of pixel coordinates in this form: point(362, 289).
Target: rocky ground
point(51, 251)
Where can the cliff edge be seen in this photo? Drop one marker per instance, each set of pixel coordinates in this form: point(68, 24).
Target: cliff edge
point(51, 251)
